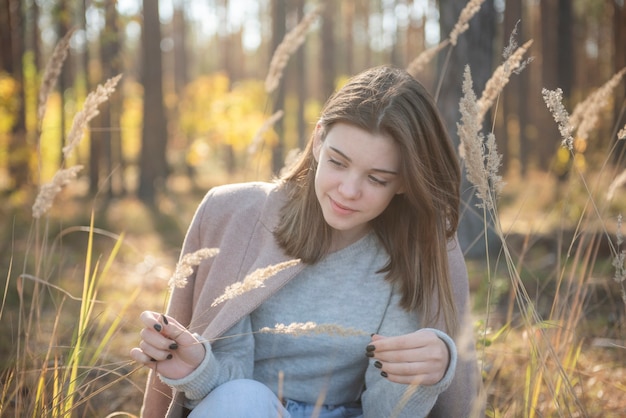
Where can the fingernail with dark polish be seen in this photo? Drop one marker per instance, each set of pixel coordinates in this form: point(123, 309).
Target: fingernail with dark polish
point(370, 348)
point(164, 319)
point(173, 346)
point(158, 327)
point(169, 356)
point(378, 364)
point(369, 354)
point(372, 334)
point(384, 374)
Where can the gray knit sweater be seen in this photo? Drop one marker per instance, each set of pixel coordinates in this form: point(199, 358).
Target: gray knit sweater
point(342, 290)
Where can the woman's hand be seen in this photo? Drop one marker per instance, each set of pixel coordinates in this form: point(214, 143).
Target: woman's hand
point(420, 357)
point(167, 347)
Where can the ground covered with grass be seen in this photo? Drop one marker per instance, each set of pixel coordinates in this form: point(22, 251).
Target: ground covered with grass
point(572, 362)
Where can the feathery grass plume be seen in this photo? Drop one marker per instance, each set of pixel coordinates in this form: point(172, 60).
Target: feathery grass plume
point(512, 46)
point(482, 160)
point(493, 162)
point(48, 191)
point(287, 47)
point(253, 281)
point(501, 76)
point(298, 329)
point(471, 8)
point(258, 138)
point(554, 101)
point(418, 64)
point(51, 74)
point(616, 184)
point(586, 113)
point(88, 112)
point(184, 268)
point(622, 133)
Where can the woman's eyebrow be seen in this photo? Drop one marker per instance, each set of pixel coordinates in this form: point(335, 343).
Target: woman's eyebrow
point(378, 170)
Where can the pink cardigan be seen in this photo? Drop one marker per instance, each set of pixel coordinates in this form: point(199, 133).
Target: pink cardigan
point(239, 219)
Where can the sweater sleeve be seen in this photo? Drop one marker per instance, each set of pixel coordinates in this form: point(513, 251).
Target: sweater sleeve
point(228, 358)
point(383, 398)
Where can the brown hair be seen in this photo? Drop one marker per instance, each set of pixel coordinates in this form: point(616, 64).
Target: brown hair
point(417, 225)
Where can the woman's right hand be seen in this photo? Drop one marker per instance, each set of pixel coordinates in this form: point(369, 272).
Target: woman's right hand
point(167, 347)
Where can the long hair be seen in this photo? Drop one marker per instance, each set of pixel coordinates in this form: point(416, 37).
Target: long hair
point(417, 225)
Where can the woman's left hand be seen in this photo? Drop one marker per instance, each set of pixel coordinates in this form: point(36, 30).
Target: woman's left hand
point(420, 357)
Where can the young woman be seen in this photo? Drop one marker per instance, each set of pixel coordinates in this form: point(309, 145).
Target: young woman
point(370, 210)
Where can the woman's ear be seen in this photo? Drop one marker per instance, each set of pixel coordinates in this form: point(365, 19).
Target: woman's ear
point(317, 141)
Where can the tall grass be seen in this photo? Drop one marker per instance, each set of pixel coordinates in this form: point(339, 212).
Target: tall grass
point(535, 362)
point(56, 367)
point(551, 345)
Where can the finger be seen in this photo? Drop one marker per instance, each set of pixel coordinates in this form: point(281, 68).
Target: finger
point(407, 380)
point(413, 379)
point(410, 369)
point(168, 327)
point(154, 352)
point(157, 340)
point(140, 357)
point(402, 342)
point(409, 373)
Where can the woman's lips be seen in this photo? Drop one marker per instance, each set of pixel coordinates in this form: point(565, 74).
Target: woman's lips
point(339, 208)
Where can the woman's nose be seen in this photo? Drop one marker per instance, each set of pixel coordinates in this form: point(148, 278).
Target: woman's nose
point(350, 187)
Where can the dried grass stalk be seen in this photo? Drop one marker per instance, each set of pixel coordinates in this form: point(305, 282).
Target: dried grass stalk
point(298, 329)
point(500, 78)
point(258, 138)
point(619, 259)
point(554, 101)
point(253, 281)
point(418, 64)
point(88, 112)
point(48, 191)
point(185, 266)
point(482, 160)
point(51, 74)
point(471, 8)
point(287, 47)
point(586, 113)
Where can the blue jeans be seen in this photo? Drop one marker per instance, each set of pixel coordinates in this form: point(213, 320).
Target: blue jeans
point(246, 398)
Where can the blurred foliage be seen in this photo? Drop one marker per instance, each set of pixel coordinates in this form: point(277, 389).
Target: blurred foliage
point(215, 114)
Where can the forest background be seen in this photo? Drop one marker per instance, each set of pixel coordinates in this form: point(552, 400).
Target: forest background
point(191, 111)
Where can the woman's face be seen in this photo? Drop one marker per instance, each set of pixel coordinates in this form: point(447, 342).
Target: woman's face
point(357, 176)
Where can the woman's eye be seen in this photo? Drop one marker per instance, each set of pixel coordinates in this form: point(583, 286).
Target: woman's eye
point(378, 181)
point(335, 162)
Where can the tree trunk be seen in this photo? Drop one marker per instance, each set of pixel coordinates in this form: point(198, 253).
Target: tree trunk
point(153, 164)
point(181, 58)
point(301, 84)
point(110, 162)
point(511, 135)
point(117, 166)
point(474, 47)
point(62, 14)
point(19, 151)
point(619, 45)
point(6, 43)
point(279, 15)
point(565, 47)
point(349, 36)
point(545, 146)
point(328, 67)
